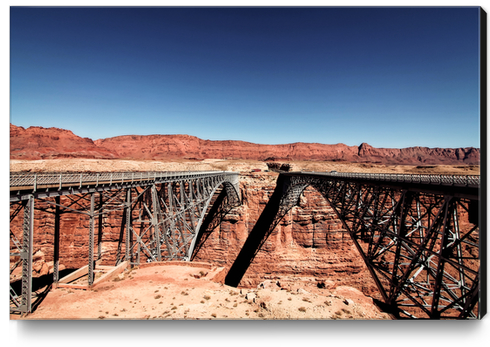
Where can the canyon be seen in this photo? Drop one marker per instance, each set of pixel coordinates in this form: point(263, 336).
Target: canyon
point(309, 246)
point(309, 251)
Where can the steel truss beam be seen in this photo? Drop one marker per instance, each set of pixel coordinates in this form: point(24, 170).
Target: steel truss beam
point(160, 215)
point(421, 248)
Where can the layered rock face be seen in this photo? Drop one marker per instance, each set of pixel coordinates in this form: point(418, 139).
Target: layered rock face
point(42, 143)
point(416, 155)
point(190, 147)
point(47, 143)
point(309, 246)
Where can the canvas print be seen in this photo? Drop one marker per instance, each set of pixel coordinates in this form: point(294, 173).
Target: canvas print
point(246, 163)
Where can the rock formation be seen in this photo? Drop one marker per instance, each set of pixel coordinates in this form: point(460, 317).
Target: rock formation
point(45, 143)
point(309, 246)
point(49, 143)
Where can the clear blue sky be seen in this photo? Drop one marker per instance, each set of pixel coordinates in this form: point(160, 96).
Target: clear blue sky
point(391, 77)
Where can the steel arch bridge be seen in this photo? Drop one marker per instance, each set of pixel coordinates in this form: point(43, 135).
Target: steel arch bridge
point(161, 214)
point(418, 235)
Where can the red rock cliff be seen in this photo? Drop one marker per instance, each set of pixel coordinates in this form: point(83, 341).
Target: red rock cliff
point(47, 143)
point(42, 143)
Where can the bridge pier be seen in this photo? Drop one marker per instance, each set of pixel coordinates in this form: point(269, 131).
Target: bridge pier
point(91, 241)
point(127, 210)
point(56, 242)
point(26, 256)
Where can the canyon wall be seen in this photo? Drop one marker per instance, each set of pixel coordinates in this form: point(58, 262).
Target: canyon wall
point(309, 246)
point(45, 143)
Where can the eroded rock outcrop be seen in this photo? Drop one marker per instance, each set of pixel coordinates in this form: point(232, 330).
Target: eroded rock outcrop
point(419, 155)
point(48, 143)
point(309, 246)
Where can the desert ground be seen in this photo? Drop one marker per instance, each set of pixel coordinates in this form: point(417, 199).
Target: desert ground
point(169, 292)
point(101, 165)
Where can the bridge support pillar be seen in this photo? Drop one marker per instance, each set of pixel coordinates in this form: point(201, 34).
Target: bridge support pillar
point(128, 223)
point(56, 255)
point(154, 221)
point(99, 227)
point(26, 255)
point(91, 242)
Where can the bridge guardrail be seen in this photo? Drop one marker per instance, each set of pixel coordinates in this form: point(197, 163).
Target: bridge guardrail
point(35, 180)
point(446, 180)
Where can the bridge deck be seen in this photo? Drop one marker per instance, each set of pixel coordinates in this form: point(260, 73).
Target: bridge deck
point(463, 186)
point(52, 184)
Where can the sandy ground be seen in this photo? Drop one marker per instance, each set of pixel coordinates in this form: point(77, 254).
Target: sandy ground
point(171, 292)
point(80, 165)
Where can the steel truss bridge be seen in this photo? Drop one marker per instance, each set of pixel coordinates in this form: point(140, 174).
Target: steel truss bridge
point(162, 214)
point(418, 235)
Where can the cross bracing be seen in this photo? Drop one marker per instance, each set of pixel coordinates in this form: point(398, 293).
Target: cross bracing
point(420, 241)
point(160, 215)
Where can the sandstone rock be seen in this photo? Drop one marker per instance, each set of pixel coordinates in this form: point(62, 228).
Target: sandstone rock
point(51, 267)
point(250, 296)
point(269, 284)
point(45, 143)
point(44, 270)
point(42, 143)
point(37, 266)
point(38, 256)
point(353, 294)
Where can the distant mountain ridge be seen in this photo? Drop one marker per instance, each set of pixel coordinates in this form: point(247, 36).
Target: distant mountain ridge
point(50, 143)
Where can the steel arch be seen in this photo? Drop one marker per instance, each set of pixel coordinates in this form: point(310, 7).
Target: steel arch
point(422, 248)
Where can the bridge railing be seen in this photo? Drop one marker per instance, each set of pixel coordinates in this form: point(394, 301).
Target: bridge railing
point(447, 180)
point(35, 180)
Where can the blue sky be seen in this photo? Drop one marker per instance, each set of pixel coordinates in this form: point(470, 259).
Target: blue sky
point(391, 77)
